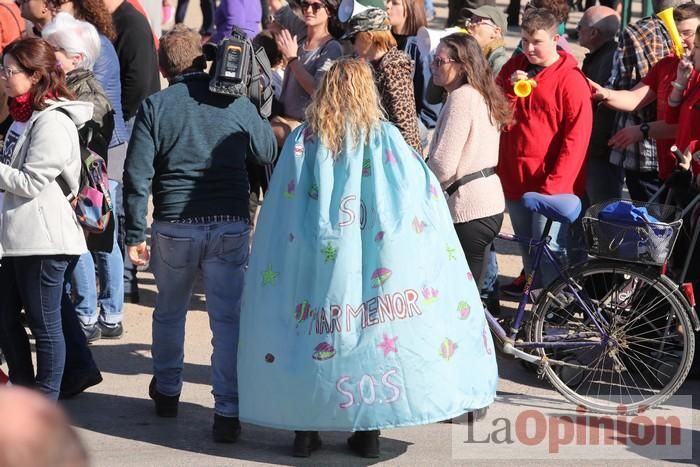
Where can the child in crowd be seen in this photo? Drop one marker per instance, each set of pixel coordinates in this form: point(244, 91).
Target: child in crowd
point(545, 148)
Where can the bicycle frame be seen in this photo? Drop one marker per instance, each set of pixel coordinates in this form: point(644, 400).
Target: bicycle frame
point(542, 250)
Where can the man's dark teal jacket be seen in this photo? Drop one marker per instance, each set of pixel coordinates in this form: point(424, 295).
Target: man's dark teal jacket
point(189, 146)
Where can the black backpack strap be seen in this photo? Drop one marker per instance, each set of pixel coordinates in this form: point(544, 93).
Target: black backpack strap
point(468, 178)
point(64, 187)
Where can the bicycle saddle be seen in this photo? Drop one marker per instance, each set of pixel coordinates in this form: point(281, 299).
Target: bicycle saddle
point(559, 208)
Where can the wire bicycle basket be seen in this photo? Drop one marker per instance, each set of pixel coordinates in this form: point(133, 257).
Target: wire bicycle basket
point(632, 231)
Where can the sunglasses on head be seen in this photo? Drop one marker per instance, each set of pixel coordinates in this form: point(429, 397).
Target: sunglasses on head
point(476, 20)
point(314, 6)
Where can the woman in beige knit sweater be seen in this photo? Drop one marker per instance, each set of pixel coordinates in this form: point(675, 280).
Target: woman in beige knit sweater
point(464, 151)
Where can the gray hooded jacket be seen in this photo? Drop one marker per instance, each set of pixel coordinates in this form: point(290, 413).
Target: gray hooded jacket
point(36, 218)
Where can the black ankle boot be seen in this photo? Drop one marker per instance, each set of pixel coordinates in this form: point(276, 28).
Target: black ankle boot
point(365, 443)
point(225, 429)
point(166, 406)
point(306, 442)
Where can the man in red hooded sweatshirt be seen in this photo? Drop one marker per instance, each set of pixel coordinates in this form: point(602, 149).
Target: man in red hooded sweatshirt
point(544, 149)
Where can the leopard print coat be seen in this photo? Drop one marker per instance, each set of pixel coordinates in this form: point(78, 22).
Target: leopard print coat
point(393, 76)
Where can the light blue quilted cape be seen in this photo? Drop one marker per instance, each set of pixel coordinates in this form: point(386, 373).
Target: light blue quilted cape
point(359, 310)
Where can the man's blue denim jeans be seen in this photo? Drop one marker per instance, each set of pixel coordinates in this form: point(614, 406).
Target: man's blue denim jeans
point(528, 224)
point(110, 269)
point(178, 252)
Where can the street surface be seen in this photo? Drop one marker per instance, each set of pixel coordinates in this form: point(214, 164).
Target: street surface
point(117, 422)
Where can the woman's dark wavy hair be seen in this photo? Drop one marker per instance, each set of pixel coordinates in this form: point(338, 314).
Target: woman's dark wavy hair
point(94, 12)
point(335, 27)
point(36, 57)
point(475, 71)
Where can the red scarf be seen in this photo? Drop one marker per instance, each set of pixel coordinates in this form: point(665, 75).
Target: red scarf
point(21, 107)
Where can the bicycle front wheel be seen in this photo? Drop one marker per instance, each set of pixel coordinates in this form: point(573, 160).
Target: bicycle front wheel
point(633, 355)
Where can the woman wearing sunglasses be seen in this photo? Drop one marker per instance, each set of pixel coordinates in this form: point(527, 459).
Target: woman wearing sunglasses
point(464, 151)
point(308, 47)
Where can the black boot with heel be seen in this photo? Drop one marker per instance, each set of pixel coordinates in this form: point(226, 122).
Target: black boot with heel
point(305, 442)
point(365, 443)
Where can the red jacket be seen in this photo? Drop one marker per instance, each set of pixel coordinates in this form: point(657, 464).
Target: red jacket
point(687, 115)
point(544, 149)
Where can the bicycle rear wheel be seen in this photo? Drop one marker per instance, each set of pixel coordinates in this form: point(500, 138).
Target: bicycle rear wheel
point(650, 344)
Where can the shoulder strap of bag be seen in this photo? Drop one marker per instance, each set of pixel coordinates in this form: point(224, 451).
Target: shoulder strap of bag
point(468, 178)
point(60, 180)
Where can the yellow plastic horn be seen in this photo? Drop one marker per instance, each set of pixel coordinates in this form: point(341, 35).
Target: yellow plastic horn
point(524, 87)
point(666, 17)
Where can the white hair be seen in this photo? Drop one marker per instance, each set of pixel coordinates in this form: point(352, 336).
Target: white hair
point(75, 37)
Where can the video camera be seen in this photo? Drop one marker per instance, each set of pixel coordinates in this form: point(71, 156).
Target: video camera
point(238, 70)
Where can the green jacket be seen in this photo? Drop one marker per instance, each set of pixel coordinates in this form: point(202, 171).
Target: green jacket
point(87, 89)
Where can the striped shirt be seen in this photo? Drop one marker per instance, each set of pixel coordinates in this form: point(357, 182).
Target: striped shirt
point(642, 45)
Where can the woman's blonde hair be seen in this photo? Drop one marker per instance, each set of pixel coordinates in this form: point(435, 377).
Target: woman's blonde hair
point(347, 99)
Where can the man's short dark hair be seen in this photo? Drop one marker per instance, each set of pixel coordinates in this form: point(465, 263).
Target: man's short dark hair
point(539, 18)
point(686, 11)
point(180, 50)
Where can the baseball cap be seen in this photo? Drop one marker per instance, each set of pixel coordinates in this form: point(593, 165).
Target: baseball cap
point(488, 11)
point(371, 19)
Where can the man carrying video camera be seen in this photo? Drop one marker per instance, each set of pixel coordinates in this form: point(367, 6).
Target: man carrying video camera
point(189, 147)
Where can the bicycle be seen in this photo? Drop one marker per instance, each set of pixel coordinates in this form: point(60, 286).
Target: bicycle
point(614, 337)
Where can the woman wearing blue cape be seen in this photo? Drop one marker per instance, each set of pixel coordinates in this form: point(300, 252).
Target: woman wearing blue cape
point(359, 310)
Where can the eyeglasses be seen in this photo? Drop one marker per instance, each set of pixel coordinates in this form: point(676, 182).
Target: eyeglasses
point(476, 20)
point(314, 6)
point(687, 33)
point(439, 61)
point(9, 72)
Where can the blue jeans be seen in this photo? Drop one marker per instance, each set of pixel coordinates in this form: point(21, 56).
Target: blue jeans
point(84, 289)
point(110, 269)
point(220, 252)
point(491, 274)
point(528, 224)
point(36, 283)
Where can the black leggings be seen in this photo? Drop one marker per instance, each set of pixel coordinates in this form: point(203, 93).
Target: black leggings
point(476, 238)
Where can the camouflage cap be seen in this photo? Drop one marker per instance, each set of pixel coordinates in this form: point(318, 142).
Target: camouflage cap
point(371, 19)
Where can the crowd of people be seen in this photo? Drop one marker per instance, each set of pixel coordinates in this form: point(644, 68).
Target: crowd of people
point(380, 144)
